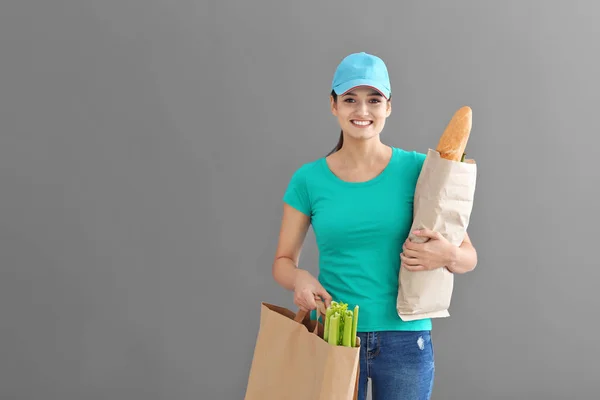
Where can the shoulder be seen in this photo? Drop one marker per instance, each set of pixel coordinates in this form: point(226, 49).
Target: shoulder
point(307, 169)
point(298, 192)
point(408, 165)
point(409, 157)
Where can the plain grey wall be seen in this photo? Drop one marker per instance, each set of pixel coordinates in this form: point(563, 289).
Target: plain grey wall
point(145, 146)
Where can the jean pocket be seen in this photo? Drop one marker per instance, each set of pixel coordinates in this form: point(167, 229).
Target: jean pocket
point(412, 347)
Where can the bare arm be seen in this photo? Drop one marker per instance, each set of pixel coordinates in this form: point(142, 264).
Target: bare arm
point(438, 252)
point(465, 257)
point(294, 226)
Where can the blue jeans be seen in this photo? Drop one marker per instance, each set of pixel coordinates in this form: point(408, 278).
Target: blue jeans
point(400, 365)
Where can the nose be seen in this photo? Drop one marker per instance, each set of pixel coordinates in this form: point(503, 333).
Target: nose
point(363, 109)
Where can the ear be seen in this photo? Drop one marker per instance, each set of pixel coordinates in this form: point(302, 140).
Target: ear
point(333, 105)
point(388, 110)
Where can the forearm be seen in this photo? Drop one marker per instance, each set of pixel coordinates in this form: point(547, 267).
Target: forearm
point(463, 259)
point(285, 272)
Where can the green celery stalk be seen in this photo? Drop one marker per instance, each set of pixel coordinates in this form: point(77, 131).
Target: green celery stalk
point(328, 315)
point(341, 327)
point(334, 324)
point(348, 325)
point(340, 324)
point(354, 326)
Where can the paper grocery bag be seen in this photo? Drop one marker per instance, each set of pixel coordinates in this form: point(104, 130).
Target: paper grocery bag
point(292, 361)
point(443, 202)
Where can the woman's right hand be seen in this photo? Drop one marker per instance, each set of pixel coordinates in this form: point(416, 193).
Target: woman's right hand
point(306, 289)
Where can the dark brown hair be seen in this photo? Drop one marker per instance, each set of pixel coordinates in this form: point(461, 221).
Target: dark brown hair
point(340, 142)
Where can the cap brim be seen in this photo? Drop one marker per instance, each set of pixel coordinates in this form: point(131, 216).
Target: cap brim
point(347, 86)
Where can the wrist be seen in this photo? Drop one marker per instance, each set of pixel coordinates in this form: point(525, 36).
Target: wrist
point(298, 274)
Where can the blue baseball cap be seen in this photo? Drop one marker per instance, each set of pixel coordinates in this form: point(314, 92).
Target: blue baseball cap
point(362, 69)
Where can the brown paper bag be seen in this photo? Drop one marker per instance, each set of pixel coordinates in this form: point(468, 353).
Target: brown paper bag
point(292, 361)
point(443, 202)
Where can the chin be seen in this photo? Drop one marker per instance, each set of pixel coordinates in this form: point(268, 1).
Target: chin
point(362, 135)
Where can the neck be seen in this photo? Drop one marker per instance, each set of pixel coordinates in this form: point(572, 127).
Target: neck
point(363, 152)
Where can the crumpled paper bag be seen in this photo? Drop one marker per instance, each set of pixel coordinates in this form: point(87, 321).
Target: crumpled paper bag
point(291, 360)
point(443, 202)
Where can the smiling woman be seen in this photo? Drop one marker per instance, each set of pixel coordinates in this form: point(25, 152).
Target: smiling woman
point(360, 77)
point(359, 201)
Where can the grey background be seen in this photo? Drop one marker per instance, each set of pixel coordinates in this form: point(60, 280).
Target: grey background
point(145, 147)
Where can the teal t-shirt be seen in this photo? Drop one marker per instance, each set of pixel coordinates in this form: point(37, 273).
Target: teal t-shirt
point(359, 229)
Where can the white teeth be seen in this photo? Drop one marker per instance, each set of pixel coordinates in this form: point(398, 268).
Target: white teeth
point(362, 123)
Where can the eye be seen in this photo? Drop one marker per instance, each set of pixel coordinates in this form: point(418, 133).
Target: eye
point(349, 100)
point(376, 101)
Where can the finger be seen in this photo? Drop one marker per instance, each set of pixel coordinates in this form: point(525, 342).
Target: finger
point(321, 305)
point(325, 297)
point(300, 300)
point(413, 268)
point(304, 307)
point(409, 260)
point(309, 300)
point(301, 306)
point(412, 245)
point(409, 253)
point(427, 233)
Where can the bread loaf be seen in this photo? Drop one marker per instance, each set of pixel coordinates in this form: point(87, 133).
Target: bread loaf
point(453, 142)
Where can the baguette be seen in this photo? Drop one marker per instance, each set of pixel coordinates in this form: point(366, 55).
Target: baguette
point(453, 142)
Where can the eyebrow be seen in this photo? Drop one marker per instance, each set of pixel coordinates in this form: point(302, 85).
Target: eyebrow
point(373, 93)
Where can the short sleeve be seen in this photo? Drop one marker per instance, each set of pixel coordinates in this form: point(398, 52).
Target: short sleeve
point(420, 160)
point(414, 164)
point(296, 194)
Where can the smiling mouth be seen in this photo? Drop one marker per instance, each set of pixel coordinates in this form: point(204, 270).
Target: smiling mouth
point(361, 123)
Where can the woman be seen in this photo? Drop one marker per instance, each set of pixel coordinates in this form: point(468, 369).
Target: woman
point(359, 200)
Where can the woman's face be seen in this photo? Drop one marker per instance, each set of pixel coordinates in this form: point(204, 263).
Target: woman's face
point(361, 112)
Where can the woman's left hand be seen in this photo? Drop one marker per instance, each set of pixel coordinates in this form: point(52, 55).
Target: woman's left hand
point(437, 252)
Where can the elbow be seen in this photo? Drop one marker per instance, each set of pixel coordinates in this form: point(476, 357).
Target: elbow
point(275, 269)
point(469, 267)
point(471, 264)
point(473, 259)
point(466, 261)
point(461, 269)
point(278, 266)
